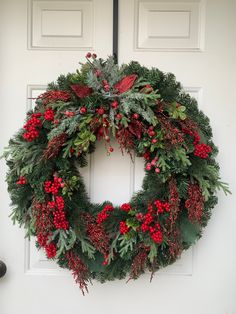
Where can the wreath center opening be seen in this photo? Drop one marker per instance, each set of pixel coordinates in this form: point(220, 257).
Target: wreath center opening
point(114, 177)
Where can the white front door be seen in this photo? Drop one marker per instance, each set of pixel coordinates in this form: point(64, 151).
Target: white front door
point(193, 39)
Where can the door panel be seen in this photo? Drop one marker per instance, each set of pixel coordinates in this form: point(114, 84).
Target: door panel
point(41, 39)
point(195, 40)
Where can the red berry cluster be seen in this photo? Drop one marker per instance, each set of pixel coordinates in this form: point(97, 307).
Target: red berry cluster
point(153, 164)
point(51, 250)
point(91, 55)
point(22, 180)
point(162, 207)
point(42, 239)
point(31, 127)
point(54, 95)
point(149, 223)
point(202, 150)
point(126, 207)
point(105, 262)
point(53, 186)
point(105, 213)
point(157, 236)
point(59, 217)
point(49, 114)
point(151, 131)
point(124, 228)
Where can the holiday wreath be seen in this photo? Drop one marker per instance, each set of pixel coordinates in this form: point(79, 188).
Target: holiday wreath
point(150, 116)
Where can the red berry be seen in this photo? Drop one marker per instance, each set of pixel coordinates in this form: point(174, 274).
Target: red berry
point(136, 116)
point(202, 150)
point(111, 149)
point(51, 250)
point(105, 262)
point(106, 87)
point(123, 227)
point(21, 181)
point(154, 141)
point(83, 110)
point(151, 133)
point(126, 207)
point(94, 56)
point(118, 116)
point(49, 114)
point(146, 155)
point(148, 166)
point(88, 55)
point(115, 104)
point(101, 111)
point(139, 216)
point(69, 113)
point(157, 237)
point(157, 170)
point(153, 162)
point(98, 73)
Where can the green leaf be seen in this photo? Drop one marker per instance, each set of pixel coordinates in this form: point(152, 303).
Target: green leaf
point(153, 252)
point(87, 248)
point(190, 232)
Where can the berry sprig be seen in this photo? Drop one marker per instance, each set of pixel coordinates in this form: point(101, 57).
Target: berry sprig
point(153, 164)
point(53, 186)
point(105, 213)
point(124, 228)
point(22, 180)
point(32, 126)
point(53, 96)
point(202, 150)
point(49, 114)
point(51, 250)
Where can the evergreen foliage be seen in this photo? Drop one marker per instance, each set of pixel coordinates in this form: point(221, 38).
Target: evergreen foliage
point(150, 115)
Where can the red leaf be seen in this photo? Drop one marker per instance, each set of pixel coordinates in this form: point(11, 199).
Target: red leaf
point(81, 90)
point(125, 84)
